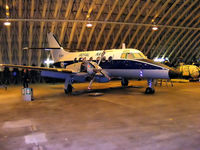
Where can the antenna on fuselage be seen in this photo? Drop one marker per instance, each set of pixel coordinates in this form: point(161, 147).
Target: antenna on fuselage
point(123, 46)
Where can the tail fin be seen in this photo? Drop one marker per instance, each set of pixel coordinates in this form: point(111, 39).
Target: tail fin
point(57, 52)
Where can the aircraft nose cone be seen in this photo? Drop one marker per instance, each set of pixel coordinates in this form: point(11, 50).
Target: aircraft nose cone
point(174, 74)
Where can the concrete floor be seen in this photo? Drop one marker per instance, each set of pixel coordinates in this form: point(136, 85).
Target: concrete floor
point(121, 119)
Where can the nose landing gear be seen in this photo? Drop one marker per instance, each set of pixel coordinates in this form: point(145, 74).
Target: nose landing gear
point(150, 89)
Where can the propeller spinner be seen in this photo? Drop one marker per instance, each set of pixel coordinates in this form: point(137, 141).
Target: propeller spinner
point(94, 68)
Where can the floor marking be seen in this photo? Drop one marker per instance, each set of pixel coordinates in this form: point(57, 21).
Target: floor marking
point(38, 147)
point(33, 128)
point(35, 138)
point(17, 124)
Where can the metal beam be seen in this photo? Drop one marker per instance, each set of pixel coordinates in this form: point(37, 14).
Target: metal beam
point(31, 32)
point(67, 14)
point(94, 25)
point(168, 21)
point(187, 35)
point(55, 15)
point(41, 31)
point(9, 45)
point(1, 56)
point(175, 32)
point(104, 25)
point(113, 25)
point(20, 34)
point(135, 20)
point(180, 49)
point(147, 28)
point(127, 17)
point(84, 24)
point(185, 42)
point(194, 45)
point(144, 20)
point(196, 52)
point(195, 39)
point(170, 38)
point(101, 22)
point(75, 24)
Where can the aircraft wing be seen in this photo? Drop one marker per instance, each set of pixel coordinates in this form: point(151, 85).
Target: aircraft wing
point(39, 68)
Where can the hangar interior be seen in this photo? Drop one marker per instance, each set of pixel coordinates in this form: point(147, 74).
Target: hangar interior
point(110, 117)
point(113, 23)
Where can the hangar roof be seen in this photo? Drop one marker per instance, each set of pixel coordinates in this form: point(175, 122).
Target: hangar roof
point(113, 22)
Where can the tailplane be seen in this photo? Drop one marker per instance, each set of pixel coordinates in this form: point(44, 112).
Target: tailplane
point(57, 51)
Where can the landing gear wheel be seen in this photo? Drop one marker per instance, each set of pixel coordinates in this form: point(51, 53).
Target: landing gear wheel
point(149, 90)
point(124, 82)
point(69, 89)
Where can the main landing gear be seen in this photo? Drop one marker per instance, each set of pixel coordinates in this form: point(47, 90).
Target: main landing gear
point(150, 89)
point(124, 82)
point(68, 86)
point(69, 89)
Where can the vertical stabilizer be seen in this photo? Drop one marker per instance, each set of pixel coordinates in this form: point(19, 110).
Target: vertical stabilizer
point(57, 51)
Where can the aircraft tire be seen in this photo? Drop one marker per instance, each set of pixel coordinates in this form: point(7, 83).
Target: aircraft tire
point(149, 90)
point(69, 89)
point(124, 82)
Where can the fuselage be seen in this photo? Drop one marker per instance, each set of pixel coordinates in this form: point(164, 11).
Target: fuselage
point(126, 63)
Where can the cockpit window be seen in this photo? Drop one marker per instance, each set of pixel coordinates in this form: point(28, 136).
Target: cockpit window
point(123, 56)
point(138, 55)
point(130, 56)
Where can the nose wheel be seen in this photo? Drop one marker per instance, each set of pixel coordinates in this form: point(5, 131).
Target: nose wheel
point(150, 89)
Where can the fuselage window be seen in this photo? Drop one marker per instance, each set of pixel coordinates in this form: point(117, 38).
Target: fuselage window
point(75, 60)
point(110, 59)
point(80, 59)
point(84, 59)
point(90, 59)
point(98, 58)
point(104, 59)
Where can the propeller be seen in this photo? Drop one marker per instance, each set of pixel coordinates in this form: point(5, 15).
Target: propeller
point(94, 68)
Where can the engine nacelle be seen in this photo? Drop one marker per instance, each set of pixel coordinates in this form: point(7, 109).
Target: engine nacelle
point(101, 79)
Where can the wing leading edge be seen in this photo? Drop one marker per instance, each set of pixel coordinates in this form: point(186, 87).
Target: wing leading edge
point(38, 68)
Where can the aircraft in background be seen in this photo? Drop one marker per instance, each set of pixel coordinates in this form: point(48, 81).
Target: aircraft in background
point(102, 66)
point(190, 72)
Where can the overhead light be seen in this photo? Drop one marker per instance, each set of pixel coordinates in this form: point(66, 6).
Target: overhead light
point(7, 23)
point(154, 28)
point(48, 62)
point(88, 16)
point(7, 7)
point(89, 25)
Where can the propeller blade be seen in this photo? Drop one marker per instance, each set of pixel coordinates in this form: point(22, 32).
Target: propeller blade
point(90, 84)
point(102, 54)
point(105, 74)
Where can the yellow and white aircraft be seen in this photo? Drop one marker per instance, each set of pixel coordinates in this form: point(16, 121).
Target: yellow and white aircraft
point(101, 66)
